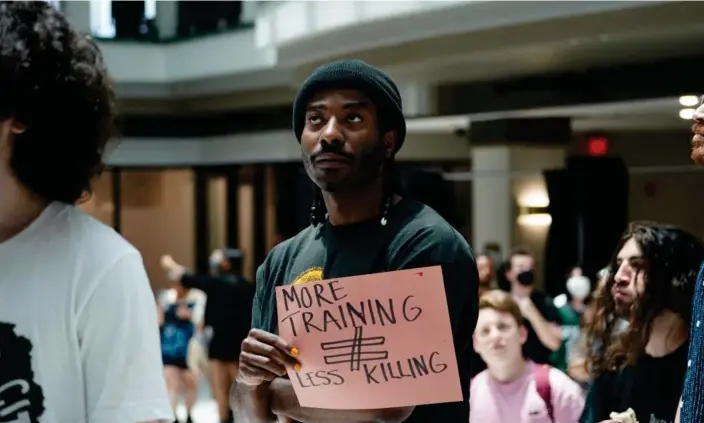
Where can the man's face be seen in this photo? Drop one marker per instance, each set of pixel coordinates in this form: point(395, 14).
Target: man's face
point(485, 266)
point(519, 264)
point(341, 144)
point(698, 139)
point(498, 338)
point(629, 279)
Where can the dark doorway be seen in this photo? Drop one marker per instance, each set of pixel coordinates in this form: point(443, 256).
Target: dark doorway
point(589, 209)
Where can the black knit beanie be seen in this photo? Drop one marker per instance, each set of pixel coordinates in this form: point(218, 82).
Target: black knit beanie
point(358, 75)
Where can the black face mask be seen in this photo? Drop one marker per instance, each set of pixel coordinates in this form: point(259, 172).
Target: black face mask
point(526, 278)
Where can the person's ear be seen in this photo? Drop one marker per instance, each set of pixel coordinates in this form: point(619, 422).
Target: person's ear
point(390, 138)
point(9, 128)
point(17, 128)
point(523, 334)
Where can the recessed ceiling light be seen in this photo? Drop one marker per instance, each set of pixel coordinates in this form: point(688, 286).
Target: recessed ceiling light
point(689, 100)
point(687, 114)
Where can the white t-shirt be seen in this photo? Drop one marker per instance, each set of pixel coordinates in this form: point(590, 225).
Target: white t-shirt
point(79, 341)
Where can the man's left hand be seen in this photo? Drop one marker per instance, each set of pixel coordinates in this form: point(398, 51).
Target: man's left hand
point(264, 356)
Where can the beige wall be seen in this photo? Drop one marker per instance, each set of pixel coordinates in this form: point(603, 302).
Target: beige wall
point(158, 217)
point(217, 213)
point(270, 205)
point(676, 198)
point(245, 220)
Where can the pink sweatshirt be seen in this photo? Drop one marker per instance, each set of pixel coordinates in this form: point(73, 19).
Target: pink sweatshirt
point(519, 401)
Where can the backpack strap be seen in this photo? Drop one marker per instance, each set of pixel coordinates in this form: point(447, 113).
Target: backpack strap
point(541, 376)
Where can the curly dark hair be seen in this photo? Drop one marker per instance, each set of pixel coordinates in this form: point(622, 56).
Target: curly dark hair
point(55, 85)
point(671, 260)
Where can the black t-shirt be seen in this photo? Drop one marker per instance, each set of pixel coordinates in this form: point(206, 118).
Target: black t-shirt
point(228, 307)
point(533, 349)
point(415, 236)
point(651, 388)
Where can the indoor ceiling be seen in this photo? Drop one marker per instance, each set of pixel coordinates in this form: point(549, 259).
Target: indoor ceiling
point(664, 30)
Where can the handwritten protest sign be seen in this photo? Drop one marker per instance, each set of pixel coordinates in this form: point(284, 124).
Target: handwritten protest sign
point(372, 341)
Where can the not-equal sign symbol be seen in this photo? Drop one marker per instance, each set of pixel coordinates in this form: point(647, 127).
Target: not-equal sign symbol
point(356, 350)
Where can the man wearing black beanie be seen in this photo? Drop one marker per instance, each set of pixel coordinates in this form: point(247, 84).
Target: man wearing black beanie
point(349, 121)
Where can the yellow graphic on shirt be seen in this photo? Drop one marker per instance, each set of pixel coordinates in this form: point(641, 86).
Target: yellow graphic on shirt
point(311, 275)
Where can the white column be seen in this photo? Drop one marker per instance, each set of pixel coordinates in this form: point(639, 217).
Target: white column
point(418, 99)
point(492, 198)
point(505, 180)
point(167, 18)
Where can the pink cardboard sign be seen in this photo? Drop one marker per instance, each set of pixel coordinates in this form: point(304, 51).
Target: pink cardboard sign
point(372, 341)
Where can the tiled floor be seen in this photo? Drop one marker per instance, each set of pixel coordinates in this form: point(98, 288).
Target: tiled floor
point(205, 411)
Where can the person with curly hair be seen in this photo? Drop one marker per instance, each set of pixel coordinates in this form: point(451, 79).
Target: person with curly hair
point(651, 285)
point(75, 293)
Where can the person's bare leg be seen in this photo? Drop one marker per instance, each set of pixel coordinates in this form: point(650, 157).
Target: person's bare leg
point(231, 369)
point(190, 385)
point(221, 390)
point(173, 384)
point(208, 373)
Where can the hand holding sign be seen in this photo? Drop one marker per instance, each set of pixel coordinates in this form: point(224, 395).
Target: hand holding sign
point(264, 356)
point(372, 341)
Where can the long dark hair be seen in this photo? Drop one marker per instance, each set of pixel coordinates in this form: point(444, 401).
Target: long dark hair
point(671, 260)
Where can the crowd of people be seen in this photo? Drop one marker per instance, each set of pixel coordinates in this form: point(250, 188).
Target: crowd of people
point(587, 355)
point(602, 352)
point(616, 344)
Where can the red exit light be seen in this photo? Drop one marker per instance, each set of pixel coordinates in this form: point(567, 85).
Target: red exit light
point(597, 146)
